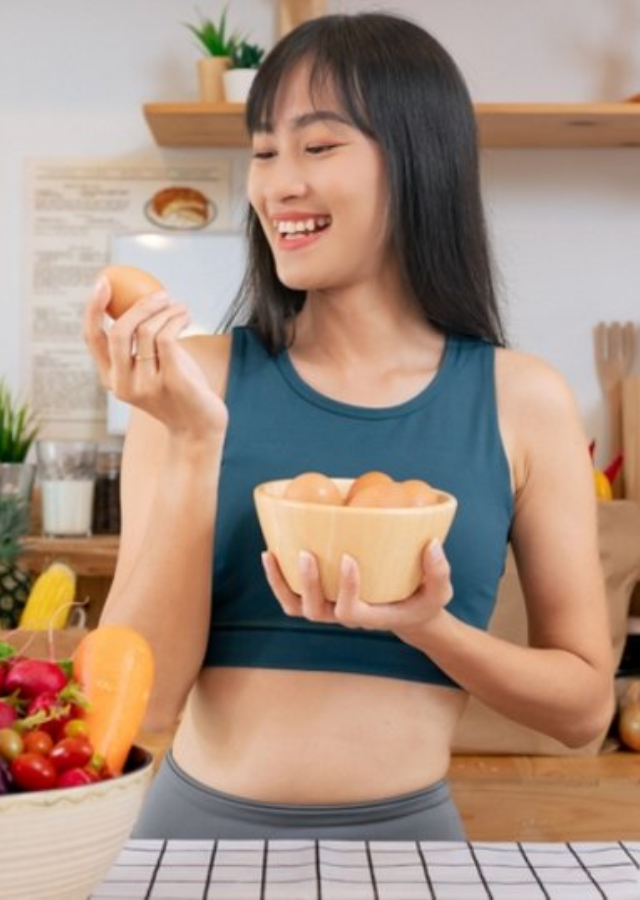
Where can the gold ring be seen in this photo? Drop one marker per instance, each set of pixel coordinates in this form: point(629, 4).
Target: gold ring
point(140, 358)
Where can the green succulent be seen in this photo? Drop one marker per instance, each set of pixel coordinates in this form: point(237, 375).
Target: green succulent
point(213, 36)
point(247, 56)
point(18, 428)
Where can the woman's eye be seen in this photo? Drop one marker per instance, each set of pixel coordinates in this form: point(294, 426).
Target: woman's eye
point(263, 154)
point(317, 149)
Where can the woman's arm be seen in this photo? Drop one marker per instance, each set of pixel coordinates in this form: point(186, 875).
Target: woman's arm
point(562, 683)
point(173, 447)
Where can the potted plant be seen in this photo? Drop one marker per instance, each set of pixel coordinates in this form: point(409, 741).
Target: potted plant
point(18, 430)
point(218, 45)
point(245, 60)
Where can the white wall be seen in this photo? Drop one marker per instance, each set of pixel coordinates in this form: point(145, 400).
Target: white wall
point(566, 224)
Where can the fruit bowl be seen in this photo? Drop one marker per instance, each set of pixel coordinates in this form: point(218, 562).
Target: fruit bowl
point(59, 844)
point(387, 543)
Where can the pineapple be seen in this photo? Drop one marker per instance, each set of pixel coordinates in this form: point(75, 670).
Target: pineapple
point(15, 581)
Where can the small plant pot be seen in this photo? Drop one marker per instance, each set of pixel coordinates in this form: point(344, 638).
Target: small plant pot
point(237, 83)
point(210, 74)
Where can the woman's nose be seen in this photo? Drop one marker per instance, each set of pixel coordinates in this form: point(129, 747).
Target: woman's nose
point(285, 181)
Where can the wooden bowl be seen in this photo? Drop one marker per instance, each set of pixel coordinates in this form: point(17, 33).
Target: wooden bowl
point(387, 543)
point(60, 844)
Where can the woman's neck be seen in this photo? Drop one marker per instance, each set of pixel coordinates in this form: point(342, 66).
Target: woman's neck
point(360, 325)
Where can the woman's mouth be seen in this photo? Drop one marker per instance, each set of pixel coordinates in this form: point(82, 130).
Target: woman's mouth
point(297, 229)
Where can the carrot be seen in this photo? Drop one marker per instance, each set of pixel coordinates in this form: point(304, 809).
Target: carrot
point(114, 666)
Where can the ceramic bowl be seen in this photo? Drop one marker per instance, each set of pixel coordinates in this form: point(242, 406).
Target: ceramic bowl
point(387, 543)
point(59, 844)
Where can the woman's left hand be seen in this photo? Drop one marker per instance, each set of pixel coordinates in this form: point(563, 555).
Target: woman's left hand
point(401, 617)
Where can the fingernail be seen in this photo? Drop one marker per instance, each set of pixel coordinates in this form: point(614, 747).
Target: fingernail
point(347, 564)
point(100, 287)
point(305, 561)
point(263, 558)
point(435, 550)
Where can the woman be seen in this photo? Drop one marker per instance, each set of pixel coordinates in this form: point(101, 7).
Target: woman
point(374, 342)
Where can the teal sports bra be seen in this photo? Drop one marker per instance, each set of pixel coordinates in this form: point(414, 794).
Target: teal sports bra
point(279, 426)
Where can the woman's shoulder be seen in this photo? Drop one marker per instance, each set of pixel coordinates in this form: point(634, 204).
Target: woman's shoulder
point(537, 410)
point(523, 377)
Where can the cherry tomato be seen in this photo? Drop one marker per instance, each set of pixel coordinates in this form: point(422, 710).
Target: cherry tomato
point(37, 741)
point(33, 772)
point(11, 743)
point(71, 753)
point(75, 728)
point(74, 778)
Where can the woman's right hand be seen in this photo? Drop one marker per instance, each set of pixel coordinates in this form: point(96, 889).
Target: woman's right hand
point(142, 361)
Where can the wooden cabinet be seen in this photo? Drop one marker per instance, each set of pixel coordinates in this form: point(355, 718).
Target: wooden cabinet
point(500, 124)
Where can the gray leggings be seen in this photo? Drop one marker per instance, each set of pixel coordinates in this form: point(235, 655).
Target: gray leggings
point(178, 806)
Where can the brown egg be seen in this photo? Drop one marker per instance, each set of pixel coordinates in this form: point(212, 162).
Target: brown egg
point(381, 494)
point(128, 285)
point(418, 493)
point(368, 479)
point(313, 487)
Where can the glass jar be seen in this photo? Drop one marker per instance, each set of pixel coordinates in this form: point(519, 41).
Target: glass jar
point(106, 504)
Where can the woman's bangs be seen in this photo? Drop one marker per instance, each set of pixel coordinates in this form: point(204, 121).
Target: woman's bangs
point(328, 74)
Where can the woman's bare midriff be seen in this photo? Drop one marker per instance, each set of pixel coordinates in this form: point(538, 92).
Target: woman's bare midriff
point(315, 737)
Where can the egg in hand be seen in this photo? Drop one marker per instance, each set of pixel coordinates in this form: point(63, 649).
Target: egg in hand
point(128, 285)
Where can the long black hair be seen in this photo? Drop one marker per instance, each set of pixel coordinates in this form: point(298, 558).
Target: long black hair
point(401, 88)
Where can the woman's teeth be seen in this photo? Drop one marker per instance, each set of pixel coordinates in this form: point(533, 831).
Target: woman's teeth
point(291, 228)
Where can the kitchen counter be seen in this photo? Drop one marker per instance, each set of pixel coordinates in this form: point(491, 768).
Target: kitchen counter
point(357, 870)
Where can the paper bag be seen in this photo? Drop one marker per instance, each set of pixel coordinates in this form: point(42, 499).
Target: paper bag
point(483, 731)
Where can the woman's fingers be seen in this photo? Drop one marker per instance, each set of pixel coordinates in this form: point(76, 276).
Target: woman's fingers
point(93, 329)
point(433, 594)
point(315, 606)
point(290, 602)
point(135, 331)
point(437, 585)
point(310, 603)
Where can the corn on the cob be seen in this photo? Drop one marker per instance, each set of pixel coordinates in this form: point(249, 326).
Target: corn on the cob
point(51, 598)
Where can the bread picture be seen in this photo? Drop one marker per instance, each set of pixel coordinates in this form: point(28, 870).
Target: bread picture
point(180, 207)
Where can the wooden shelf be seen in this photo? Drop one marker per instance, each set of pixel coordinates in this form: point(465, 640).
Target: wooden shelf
point(500, 124)
point(559, 124)
point(197, 124)
point(94, 557)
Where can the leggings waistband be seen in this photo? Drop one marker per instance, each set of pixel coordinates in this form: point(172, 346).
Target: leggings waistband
point(411, 803)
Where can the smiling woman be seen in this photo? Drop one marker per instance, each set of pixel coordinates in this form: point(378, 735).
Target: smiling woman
point(306, 163)
point(366, 337)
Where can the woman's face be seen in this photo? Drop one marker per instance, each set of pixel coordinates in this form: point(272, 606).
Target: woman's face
point(319, 188)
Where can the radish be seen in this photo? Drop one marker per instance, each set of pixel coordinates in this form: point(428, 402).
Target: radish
point(32, 677)
point(8, 715)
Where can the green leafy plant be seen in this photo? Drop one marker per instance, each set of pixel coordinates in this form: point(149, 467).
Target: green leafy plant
point(18, 427)
point(247, 56)
point(214, 38)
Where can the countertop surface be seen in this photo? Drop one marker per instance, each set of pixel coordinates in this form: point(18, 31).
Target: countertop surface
point(376, 870)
